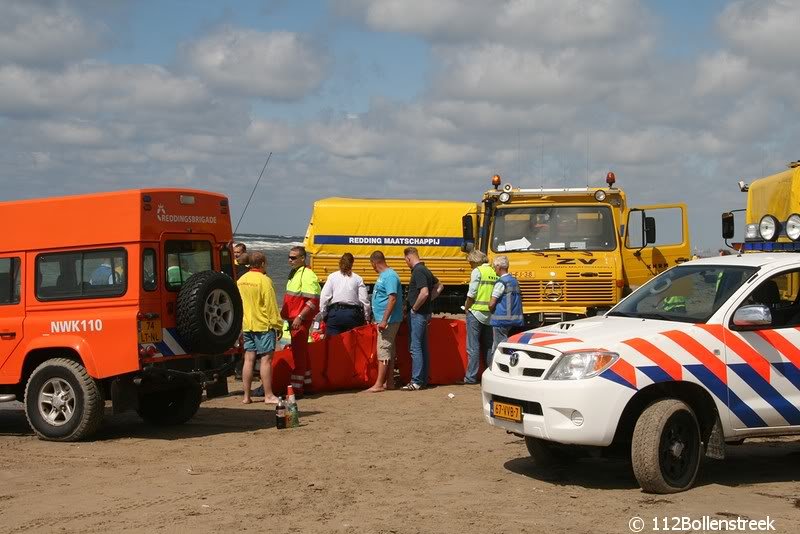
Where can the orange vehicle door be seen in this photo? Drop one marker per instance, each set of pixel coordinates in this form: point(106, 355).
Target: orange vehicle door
point(641, 259)
point(12, 308)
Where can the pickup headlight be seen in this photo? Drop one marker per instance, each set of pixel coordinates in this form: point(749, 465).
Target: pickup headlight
point(581, 364)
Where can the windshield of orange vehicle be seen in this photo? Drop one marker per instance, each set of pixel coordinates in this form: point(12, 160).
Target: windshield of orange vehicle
point(553, 228)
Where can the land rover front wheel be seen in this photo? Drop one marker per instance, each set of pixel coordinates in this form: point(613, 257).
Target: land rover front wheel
point(209, 313)
point(666, 448)
point(62, 402)
point(171, 407)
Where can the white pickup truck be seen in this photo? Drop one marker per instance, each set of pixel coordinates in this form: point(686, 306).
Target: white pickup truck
point(705, 354)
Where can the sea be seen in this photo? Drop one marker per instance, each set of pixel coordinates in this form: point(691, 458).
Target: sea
point(276, 249)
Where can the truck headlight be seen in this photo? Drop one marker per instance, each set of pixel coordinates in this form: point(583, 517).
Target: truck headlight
point(768, 227)
point(751, 231)
point(793, 227)
point(581, 364)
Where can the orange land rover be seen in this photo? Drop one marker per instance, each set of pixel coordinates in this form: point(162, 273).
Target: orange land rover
point(124, 296)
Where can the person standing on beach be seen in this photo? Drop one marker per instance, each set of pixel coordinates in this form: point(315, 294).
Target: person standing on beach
point(239, 251)
point(388, 316)
point(479, 328)
point(422, 290)
point(505, 304)
point(343, 303)
point(261, 324)
point(300, 305)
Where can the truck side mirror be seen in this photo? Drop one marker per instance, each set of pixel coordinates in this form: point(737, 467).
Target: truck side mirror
point(728, 227)
point(650, 230)
point(468, 233)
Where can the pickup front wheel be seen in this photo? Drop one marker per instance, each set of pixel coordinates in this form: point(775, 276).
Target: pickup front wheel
point(62, 402)
point(666, 448)
point(171, 407)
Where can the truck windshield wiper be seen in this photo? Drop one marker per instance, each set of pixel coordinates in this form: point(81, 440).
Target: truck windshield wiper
point(620, 314)
point(653, 316)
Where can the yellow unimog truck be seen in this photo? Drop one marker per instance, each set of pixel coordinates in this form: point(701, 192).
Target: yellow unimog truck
point(772, 217)
point(361, 226)
point(577, 251)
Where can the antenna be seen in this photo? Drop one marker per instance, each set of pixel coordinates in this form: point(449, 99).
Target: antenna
point(541, 160)
point(252, 192)
point(587, 159)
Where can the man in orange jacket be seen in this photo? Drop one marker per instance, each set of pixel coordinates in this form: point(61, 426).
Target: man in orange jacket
point(300, 305)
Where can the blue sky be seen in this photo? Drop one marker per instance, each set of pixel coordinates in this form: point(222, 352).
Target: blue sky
point(412, 99)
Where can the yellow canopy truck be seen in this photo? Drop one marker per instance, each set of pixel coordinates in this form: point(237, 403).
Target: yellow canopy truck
point(361, 226)
point(576, 251)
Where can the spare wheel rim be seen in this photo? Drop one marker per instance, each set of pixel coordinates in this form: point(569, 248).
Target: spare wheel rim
point(218, 312)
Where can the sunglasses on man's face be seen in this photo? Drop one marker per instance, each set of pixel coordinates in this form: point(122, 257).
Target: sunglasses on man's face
point(293, 257)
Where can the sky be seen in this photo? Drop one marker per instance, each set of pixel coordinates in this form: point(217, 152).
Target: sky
point(398, 99)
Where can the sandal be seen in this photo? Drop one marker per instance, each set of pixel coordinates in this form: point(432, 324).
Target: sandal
point(411, 386)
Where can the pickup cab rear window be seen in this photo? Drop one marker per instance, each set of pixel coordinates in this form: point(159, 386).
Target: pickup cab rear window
point(185, 258)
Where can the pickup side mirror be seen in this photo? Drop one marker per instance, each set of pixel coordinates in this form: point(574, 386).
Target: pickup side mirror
point(728, 227)
point(752, 315)
point(468, 233)
point(650, 230)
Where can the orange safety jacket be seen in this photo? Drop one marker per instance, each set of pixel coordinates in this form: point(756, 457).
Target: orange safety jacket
point(302, 287)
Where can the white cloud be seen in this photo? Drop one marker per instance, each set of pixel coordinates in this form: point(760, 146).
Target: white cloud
point(280, 65)
point(764, 30)
point(49, 33)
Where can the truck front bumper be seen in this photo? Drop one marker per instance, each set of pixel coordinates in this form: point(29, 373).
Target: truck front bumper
point(580, 412)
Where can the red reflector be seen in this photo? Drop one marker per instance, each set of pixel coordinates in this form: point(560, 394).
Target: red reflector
point(620, 283)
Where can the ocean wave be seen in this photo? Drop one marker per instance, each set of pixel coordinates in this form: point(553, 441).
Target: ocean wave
point(271, 245)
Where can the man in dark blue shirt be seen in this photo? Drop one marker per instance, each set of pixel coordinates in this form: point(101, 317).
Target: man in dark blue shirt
point(423, 288)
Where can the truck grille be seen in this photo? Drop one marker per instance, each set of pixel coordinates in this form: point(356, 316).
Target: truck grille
point(577, 289)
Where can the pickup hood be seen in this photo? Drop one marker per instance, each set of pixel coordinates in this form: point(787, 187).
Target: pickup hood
point(595, 333)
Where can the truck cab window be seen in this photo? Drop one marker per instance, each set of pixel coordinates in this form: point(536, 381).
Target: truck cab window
point(9, 281)
point(149, 270)
point(554, 228)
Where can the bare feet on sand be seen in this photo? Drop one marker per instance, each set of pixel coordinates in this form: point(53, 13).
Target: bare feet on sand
point(247, 400)
point(375, 389)
point(271, 400)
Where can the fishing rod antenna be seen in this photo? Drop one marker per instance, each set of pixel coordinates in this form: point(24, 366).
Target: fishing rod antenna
point(252, 193)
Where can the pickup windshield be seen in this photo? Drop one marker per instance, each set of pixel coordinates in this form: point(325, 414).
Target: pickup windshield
point(589, 227)
point(690, 293)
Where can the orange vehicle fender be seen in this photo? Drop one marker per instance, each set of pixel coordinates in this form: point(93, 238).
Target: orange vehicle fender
point(74, 343)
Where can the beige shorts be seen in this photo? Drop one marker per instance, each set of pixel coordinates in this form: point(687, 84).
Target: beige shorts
point(386, 345)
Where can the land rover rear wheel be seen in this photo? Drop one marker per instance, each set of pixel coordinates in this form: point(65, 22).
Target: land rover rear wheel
point(172, 407)
point(666, 449)
point(209, 313)
point(62, 402)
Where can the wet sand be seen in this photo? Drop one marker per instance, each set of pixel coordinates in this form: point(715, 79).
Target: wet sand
point(394, 462)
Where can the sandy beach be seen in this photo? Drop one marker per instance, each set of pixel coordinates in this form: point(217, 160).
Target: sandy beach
point(394, 462)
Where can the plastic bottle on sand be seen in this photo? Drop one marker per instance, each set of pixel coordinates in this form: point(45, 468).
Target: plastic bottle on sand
point(280, 414)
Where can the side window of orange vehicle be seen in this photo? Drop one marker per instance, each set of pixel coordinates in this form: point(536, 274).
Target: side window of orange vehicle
point(185, 258)
point(149, 270)
point(81, 274)
point(226, 262)
point(9, 281)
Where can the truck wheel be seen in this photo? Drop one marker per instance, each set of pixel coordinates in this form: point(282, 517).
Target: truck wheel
point(209, 313)
point(544, 452)
point(62, 402)
point(666, 448)
point(168, 408)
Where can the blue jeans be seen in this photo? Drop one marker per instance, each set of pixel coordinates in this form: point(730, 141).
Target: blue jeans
point(479, 341)
point(418, 340)
point(500, 335)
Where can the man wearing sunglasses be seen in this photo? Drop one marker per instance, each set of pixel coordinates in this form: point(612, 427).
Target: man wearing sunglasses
point(300, 305)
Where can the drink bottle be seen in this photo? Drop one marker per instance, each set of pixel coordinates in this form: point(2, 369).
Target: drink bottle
point(293, 416)
point(280, 414)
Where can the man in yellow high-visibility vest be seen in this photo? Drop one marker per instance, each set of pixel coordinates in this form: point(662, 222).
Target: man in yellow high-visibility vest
point(479, 328)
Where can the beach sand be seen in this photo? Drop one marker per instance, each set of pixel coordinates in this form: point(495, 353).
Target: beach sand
point(394, 462)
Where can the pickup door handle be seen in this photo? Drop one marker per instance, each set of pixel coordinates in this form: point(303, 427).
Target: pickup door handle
point(7, 334)
point(681, 260)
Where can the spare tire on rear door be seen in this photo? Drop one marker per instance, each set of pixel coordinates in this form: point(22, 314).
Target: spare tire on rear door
point(209, 313)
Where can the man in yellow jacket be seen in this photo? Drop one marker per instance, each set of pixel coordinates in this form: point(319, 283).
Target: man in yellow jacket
point(261, 324)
